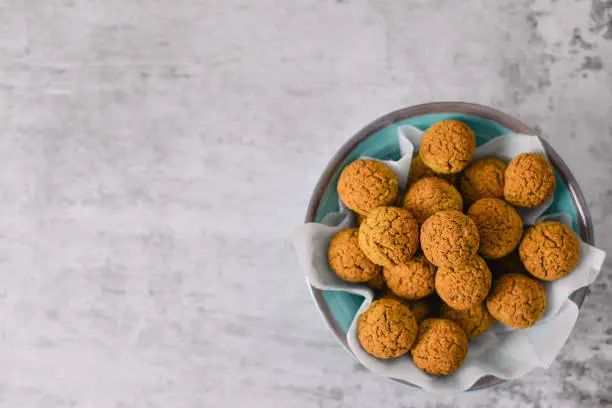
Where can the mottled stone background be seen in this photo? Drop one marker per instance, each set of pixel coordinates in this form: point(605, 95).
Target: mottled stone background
point(157, 154)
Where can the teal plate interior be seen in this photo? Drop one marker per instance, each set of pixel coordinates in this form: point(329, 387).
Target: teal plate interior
point(383, 145)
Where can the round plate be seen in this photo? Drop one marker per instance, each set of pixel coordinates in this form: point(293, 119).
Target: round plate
point(503, 121)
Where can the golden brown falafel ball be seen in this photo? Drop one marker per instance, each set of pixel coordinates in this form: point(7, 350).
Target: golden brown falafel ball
point(419, 170)
point(440, 347)
point(430, 195)
point(411, 280)
point(517, 300)
point(448, 146)
point(462, 287)
point(499, 225)
point(483, 178)
point(387, 329)
point(367, 184)
point(389, 236)
point(348, 260)
point(449, 238)
point(474, 321)
point(550, 250)
point(529, 180)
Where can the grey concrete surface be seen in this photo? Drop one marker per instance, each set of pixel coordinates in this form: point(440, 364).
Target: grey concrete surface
point(156, 156)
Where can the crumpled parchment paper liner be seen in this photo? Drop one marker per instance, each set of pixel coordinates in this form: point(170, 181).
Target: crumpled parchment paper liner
point(504, 352)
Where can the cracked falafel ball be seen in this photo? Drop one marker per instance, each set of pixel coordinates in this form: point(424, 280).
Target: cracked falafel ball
point(449, 238)
point(411, 280)
point(517, 300)
point(483, 178)
point(499, 226)
point(448, 146)
point(387, 329)
point(549, 250)
point(440, 347)
point(465, 286)
point(430, 195)
point(348, 260)
point(529, 180)
point(389, 236)
point(367, 184)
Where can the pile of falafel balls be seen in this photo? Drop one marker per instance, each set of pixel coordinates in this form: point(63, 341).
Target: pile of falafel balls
point(430, 252)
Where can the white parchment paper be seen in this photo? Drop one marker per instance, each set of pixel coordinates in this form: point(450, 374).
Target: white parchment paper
point(504, 352)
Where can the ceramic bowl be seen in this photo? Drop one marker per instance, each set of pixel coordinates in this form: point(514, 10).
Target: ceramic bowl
point(379, 139)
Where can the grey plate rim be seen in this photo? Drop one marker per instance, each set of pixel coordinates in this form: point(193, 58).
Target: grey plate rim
point(484, 112)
